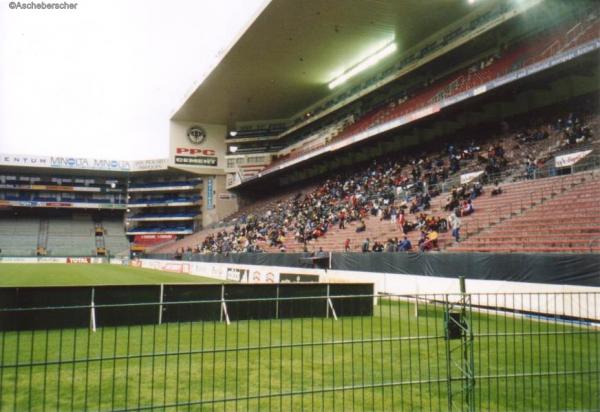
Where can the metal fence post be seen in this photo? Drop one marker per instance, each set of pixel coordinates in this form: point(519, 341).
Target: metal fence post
point(330, 306)
point(458, 327)
point(277, 303)
point(224, 314)
point(160, 303)
point(93, 312)
point(467, 345)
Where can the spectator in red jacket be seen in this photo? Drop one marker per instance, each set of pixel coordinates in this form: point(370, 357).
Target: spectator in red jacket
point(347, 245)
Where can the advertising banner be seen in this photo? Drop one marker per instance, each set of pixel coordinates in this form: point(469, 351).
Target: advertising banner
point(237, 275)
point(197, 146)
point(227, 272)
point(61, 162)
point(84, 205)
point(468, 177)
point(152, 239)
point(571, 158)
point(79, 260)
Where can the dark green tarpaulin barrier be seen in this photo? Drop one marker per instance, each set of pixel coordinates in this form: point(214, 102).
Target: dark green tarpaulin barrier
point(581, 269)
point(31, 308)
point(568, 269)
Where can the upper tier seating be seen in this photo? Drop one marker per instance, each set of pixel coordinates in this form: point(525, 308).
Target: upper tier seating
point(531, 51)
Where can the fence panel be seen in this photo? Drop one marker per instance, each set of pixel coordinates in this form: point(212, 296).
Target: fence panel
point(484, 352)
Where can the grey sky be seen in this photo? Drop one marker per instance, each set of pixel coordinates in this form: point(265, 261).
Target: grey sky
point(102, 80)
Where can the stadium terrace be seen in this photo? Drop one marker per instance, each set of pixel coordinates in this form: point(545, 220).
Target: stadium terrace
point(366, 205)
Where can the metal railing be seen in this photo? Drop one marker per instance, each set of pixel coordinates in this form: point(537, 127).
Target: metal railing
point(435, 352)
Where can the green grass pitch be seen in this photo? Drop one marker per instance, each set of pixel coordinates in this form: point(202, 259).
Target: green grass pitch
point(55, 274)
point(391, 361)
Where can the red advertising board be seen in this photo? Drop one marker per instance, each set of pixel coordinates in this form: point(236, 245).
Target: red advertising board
point(152, 239)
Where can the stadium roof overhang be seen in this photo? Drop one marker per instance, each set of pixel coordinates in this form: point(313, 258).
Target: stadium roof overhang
point(283, 62)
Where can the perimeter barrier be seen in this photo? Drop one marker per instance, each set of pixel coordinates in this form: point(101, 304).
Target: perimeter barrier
point(436, 352)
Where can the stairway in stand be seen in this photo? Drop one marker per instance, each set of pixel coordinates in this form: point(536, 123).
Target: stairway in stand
point(566, 218)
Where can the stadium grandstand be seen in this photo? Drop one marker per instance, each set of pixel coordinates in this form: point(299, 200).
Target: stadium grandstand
point(412, 193)
point(503, 99)
point(64, 207)
point(391, 126)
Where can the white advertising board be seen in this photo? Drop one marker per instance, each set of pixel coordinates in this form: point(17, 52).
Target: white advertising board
point(484, 292)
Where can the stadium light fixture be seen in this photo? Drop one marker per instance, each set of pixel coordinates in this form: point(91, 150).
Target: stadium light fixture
point(233, 133)
point(233, 149)
point(369, 61)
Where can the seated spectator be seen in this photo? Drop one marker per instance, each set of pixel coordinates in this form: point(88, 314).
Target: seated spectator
point(408, 226)
point(497, 190)
point(390, 246)
point(453, 201)
point(467, 208)
point(361, 226)
point(431, 241)
point(377, 246)
point(404, 245)
point(476, 190)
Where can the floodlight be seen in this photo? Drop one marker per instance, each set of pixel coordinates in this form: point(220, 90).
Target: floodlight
point(233, 149)
point(233, 133)
point(364, 64)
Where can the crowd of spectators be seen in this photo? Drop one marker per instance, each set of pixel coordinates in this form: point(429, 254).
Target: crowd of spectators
point(572, 131)
point(395, 188)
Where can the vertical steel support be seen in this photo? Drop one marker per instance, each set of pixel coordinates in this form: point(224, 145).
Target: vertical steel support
point(93, 312)
point(468, 362)
point(459, 352)
point(329, 306)
point(224, 314)
point(160, 303)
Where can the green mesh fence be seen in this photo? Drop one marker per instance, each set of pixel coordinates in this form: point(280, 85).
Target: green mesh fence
point(481, 352)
